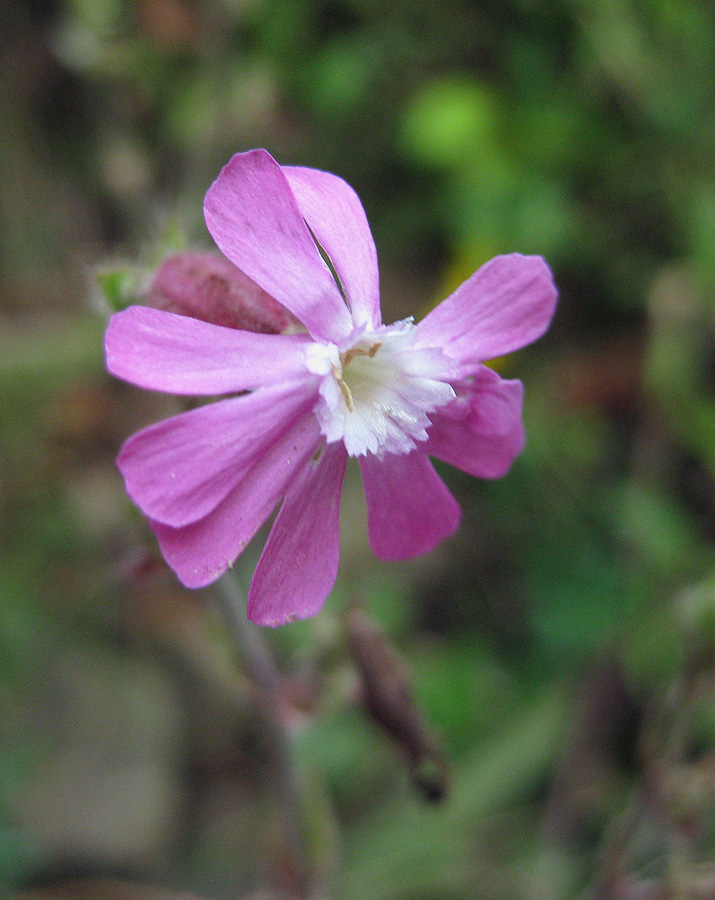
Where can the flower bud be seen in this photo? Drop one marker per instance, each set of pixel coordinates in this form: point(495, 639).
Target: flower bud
point(388, 698)
point(208, 287)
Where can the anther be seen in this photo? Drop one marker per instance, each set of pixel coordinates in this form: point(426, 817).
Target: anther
point(349, 355)
point(344, 389)
point(347, 395)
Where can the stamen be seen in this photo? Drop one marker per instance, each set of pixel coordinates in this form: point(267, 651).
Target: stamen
point(347, 395)
point(344, 389)
point(376, 396)
point(349, 355)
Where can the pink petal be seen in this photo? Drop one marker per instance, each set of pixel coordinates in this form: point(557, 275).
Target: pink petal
point(335, 215)
point(177, 471)
point(202, 551)
point(207, 286)
point(255, 220)
point(481, 432)
point(505, 305)
point(409, 509)
point(162, 351)
point(299, 563)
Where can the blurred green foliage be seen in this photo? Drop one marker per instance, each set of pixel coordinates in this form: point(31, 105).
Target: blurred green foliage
point(562, 644)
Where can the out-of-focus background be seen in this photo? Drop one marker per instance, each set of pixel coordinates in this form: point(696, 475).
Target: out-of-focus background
point(561, 646)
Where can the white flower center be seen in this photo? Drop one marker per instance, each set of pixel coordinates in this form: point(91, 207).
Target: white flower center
point(376, 393)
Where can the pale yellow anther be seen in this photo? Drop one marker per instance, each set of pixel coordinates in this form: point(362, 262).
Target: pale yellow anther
point(344, 389)
point(349, 355)
point(376, 394)
point(345, 359)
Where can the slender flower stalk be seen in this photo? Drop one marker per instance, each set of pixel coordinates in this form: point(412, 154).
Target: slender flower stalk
point(256, 658)
point(302, 403)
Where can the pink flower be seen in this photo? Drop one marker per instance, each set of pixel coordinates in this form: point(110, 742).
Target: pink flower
point(390, 395)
